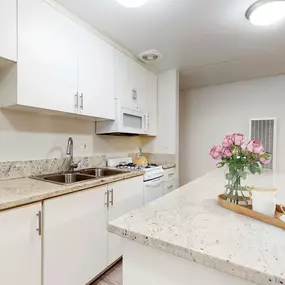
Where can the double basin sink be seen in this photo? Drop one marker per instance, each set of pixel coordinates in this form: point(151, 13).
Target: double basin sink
point(65, 178)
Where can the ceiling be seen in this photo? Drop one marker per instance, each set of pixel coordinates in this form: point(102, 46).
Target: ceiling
point(209, 41)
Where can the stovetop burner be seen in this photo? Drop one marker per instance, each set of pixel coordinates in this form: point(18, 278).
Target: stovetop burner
point(135, 166)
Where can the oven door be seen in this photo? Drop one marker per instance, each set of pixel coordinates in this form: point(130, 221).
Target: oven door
point(133, 121)
point(153, 190)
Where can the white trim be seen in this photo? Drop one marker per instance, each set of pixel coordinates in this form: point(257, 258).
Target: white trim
point(97, 33)
point(274, 164)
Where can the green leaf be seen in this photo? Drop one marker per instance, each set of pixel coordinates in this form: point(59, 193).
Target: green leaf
point(243, 175)
point(220, 164)
point(266, 155)
point(229, 176)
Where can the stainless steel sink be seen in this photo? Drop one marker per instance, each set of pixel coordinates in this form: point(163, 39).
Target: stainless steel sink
point(100, 172)
point(64, 178)
point(80, 175)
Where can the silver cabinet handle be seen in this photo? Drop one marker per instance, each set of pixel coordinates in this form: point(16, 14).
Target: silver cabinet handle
point(107, 198)
point(170, 186)
point(76, 100)
point(134, 91)
point(170, 174)
point(112, 196)
point(81, 98)
point(39, 229)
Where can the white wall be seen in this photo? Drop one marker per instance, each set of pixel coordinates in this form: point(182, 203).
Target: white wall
point(208, 113)
point(28, 136)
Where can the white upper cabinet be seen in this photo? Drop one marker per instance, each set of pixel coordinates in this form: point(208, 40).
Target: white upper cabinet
point(151, 103)
point(62, 65)
point(47, 63)
point(20, 246)
point(96, 76)
point(75, 237)
point(8, 29)
point(130, 82)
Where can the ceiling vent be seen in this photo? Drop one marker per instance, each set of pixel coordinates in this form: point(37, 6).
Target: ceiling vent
point(149, 56)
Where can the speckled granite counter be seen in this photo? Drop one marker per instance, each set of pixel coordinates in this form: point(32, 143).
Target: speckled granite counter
point(190, 224)
point(17, 192)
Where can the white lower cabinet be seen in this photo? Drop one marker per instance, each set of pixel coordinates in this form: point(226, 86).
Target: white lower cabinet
point(76, 244)
point(65, 239)
point(124, 196)
point(75, 237)
point(20, 246)
point(170, 180)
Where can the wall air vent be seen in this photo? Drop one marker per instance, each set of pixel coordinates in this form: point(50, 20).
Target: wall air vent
point(264, 130)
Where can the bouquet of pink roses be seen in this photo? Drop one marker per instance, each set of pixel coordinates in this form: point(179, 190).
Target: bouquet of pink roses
point(241, 159)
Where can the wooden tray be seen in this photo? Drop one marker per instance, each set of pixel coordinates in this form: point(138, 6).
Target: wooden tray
point(247, 211)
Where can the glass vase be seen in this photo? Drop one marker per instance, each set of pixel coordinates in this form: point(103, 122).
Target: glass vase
point(236, 189)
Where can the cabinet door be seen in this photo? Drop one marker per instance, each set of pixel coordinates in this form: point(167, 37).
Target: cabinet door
point(47, 62)
point(8, 29)
point(20, 246)
point(151, 103)
point(140, 79)
point(123, 82)
point(96, 76)
point(126, 196)
point(127, 74)
point(75, 237)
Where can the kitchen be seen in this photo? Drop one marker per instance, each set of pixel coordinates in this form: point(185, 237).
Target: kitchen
point(64, 83)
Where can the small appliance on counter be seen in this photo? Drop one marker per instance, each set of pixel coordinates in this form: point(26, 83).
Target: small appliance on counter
point(153, 176)
point(139, 159)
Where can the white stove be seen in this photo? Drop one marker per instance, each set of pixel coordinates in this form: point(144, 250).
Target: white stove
point(152, 171)
point(153, 176)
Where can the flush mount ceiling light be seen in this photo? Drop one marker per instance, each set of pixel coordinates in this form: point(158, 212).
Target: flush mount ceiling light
point(149, 56)
point(266, 12)
point(132, 3)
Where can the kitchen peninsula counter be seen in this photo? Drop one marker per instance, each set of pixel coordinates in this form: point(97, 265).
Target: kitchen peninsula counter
point(188, 225)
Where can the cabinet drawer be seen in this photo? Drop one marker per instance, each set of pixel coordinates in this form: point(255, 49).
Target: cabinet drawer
point(169, 173)
point(170, 185)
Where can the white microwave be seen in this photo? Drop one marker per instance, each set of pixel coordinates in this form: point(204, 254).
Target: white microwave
point(127, 122)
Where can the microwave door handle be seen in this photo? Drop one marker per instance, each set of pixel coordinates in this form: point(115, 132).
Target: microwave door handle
point(145, 123)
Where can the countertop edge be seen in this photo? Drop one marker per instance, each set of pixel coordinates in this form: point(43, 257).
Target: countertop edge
point(225, 266)
point(66, 189)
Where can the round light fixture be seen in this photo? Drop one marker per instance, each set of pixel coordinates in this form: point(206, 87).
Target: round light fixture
point(132, 3)
point(266, 12)
point(149, 56)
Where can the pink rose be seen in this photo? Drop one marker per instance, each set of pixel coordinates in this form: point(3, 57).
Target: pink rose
point(227, 152)
point(227, 142)
point(217, 152)
point(264, 160)
point(238, 139)
point(255, 146)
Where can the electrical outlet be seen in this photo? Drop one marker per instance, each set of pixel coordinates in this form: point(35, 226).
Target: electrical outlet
point(83, 147)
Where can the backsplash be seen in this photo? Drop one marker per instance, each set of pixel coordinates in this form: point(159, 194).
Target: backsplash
point(158, 158)
point(18, 169)
point(26, 168)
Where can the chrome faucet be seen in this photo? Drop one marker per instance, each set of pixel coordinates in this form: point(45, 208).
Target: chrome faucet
point(69, 151)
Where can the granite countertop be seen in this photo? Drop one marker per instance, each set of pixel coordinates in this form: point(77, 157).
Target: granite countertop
point(167, 166)
point(22, 191)
point(190, 224)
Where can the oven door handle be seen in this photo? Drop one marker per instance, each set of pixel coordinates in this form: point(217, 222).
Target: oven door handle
point(154, 183)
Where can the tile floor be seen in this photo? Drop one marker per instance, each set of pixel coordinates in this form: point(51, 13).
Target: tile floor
point(113, 277)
